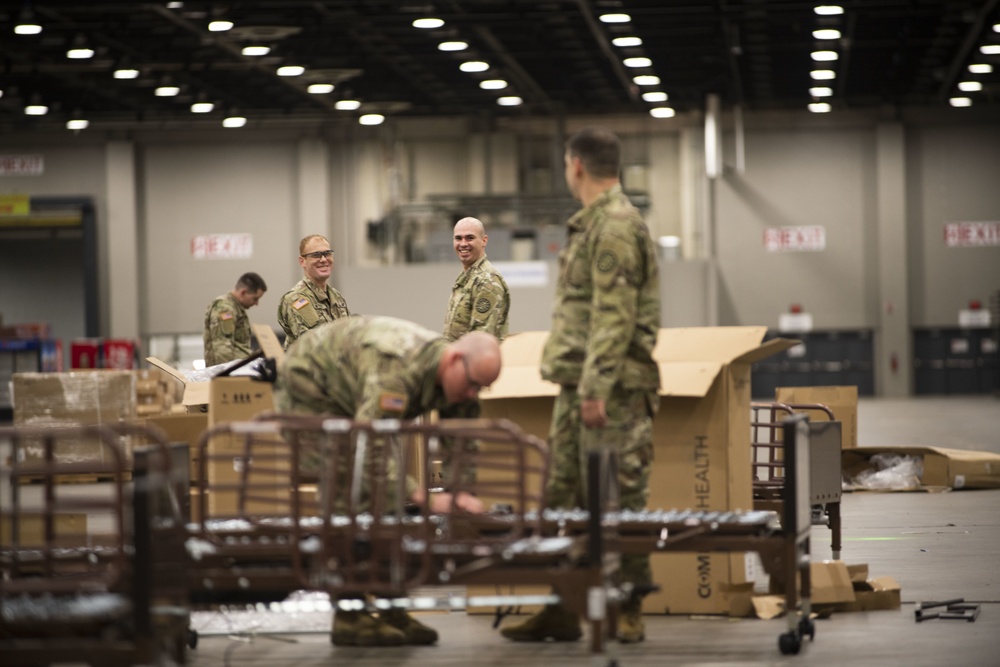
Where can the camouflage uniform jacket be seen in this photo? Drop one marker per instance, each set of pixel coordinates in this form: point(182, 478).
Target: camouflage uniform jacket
point(306, 306)
point(227, 331)
point(480, 300)
point(607, 306)
point(367, 368)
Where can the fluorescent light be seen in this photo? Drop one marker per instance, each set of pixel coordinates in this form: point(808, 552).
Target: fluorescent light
point(474, 66)
point(453, 46)
point(990, 50)
point(174, 5)
point(819, 107)
point(826, 33)
point(829, 10)
point(825, 56)
point(821, 91)
point(638, 62)
point(509, 101)
point(202, 107)
point(77, 124)
point(126, 73)
point(980, 68)
point(80, 54)
point(428, 23)
point(27, 29)
point(347, 105)
point(234, 121)
point(646, 80)
point(662, 112)
point(624, 42)
point(291, 70)
point(320, 88)
point(615, 18)
point(36, 110)
point(960, 102)
point(654, 96)
point(371, 119)
point(493, 84)
point(823, 74)
point(969, 86)
point(220, 26)
point(996, 27)
point(256, 50)
point(167, 91)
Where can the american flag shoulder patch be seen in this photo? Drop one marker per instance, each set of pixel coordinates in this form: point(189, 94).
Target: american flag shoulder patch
point(389, 402)
point(226, 316)
point(300, 303)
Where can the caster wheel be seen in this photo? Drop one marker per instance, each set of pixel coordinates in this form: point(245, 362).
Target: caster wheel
point(789, 644)
point(807, 628)
point(192, 639)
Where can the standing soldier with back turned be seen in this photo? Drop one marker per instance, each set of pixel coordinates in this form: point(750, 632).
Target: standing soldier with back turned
point(480, 299)
point(226, 333)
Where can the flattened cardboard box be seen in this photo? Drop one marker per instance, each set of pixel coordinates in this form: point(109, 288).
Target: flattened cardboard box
point(701, 441)
point(942, 466)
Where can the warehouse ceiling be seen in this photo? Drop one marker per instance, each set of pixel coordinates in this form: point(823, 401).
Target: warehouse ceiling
point(557, 56)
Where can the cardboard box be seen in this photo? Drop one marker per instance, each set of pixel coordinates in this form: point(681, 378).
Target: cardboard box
point(701, 441)
point(842, 401)
point(31, 529)
point(878, 594)
point(183, 428)
point(75, 398)
point(941, 466)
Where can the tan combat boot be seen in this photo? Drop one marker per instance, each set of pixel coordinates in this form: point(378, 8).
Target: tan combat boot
point(631, 627)
point(413, 630)
point(554, 622)
point(360, 628)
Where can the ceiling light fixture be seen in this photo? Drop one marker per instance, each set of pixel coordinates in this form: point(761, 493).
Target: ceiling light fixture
point(638, 62)
point(77, 124)
point(220, 26)
point(453, 46)
point(829, 10)
point(347, 105)
point(27, 25)
point(256, 50)
point(615, 18)
point(819, 107)
point(826, 33)
point(821, 91)
point(509, 101)
point(646, 80)
point(493, 84)
point(969, 86)
point(80, 53)
point(823, 74)
point(662, 112)
point(126, 73)
point(291, 70)
point(474, 66)
point(234, 121)
point(980, 68)
point(624, 42)
point(825, 56)
point(428, 23)
point(202, 107)
point(320, 88)
point(167, 91)
point(175, 5)
point(960, 102)
point(990, 50)
point(654, 96)
point(371, 119)
point(36, 110)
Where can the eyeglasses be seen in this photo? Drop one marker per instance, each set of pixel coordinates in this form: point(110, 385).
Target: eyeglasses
point(319, 254)
point(468, 378)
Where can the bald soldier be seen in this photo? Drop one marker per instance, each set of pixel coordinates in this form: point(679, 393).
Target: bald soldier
point(600, 352)
point(312, 301)
point(226, 334)
point(368, 368)
point(480, 299)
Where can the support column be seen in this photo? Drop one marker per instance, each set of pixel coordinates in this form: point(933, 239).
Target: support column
point(121, 243)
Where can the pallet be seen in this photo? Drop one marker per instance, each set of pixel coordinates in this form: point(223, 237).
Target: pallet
point(101, 478)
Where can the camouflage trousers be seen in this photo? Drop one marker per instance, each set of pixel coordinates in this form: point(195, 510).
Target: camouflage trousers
point(629, 431)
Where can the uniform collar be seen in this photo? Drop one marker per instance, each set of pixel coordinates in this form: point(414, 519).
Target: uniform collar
point(583, 218)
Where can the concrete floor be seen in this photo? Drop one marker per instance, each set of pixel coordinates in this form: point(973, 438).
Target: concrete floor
point(938, 546)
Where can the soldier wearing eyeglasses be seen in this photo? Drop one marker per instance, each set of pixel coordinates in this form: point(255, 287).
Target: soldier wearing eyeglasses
point(312, 301)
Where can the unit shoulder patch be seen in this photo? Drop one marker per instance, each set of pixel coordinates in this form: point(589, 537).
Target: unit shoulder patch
point(607, 261)
point(483, 305)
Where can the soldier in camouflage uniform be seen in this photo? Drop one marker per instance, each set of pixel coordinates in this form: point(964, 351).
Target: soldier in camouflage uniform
point(227, 328)
point(480, 299)
point(311, 302)
point(368, 368)
point(605, 321)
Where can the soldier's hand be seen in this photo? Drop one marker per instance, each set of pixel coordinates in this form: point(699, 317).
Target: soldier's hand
point(441, 503)
point(592, 413)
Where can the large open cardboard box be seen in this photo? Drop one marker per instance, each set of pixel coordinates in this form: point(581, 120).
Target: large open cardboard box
point(701, 441)
point(941, 466)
